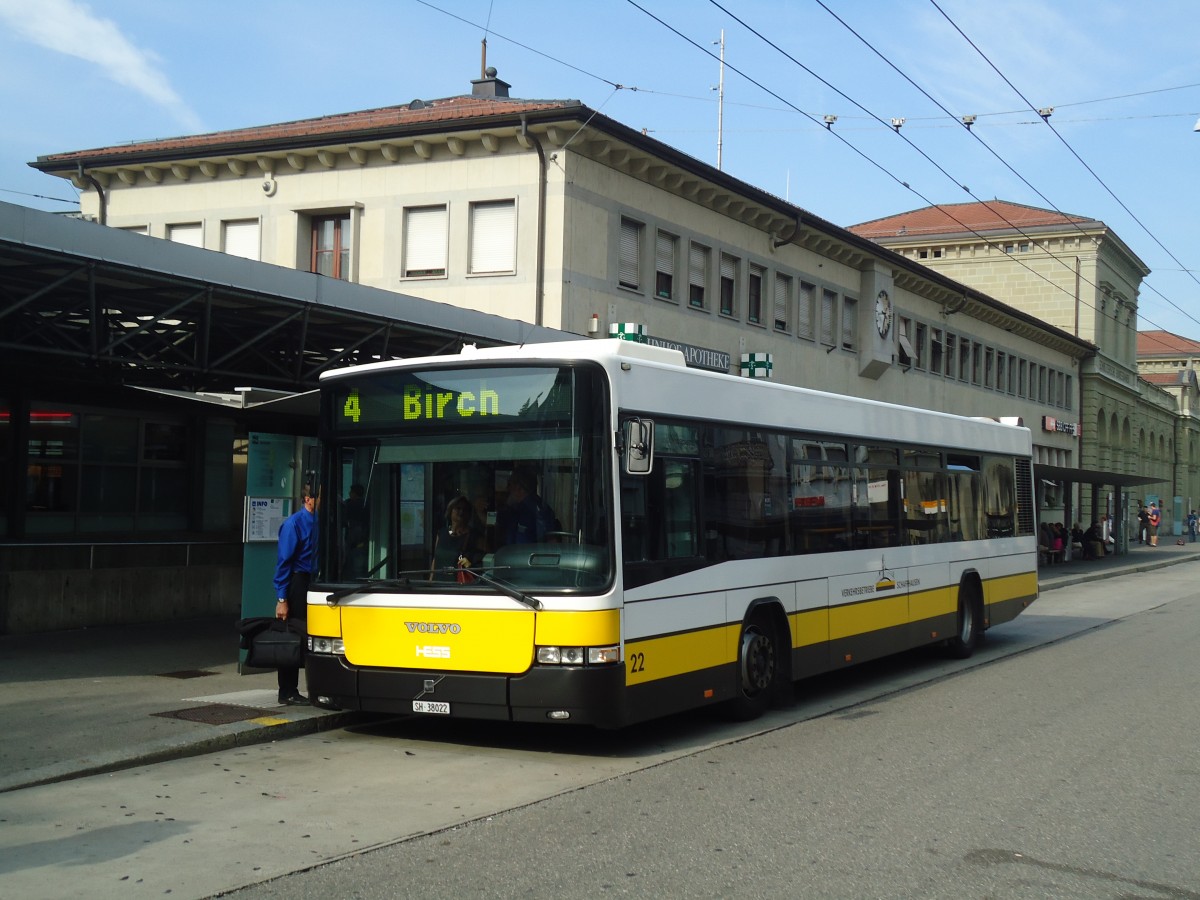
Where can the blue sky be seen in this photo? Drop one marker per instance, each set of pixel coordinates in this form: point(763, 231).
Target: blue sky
point(1123, 80)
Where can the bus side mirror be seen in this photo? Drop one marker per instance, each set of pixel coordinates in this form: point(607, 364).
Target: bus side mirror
point(638, 443)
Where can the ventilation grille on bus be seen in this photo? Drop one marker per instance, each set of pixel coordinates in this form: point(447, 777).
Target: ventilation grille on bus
point(1025, 517)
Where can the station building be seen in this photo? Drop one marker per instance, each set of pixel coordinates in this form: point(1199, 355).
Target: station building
point(550, 214)
point(1075, 273)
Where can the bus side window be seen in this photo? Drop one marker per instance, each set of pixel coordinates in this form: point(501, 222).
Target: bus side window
point(659, 512)
point(635, 537)
point(681, 524)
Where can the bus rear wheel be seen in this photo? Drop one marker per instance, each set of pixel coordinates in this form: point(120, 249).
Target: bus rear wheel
point(758, 669)
point(970, 627)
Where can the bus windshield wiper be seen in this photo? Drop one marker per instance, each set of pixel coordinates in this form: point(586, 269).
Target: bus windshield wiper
point(508, 590)
point(406, 581)
point(402, 580)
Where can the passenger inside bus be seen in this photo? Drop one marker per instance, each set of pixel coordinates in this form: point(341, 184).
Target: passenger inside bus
point(525, 517)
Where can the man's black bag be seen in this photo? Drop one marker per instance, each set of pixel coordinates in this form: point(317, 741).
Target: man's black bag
point(273, 643)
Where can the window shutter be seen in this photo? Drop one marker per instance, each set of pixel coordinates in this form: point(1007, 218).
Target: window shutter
point(783, 288)
point(493, 237)
point(697, 274)
point(849, 322)
point(804, 311)
point(696, 266)
point(664, 254)
point(828, 308)
point(192, 235)
point(630, 254)
point(241, 239)
point(425, 241)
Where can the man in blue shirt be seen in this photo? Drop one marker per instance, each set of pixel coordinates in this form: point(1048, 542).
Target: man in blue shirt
point(294, 568)
point(525, 518)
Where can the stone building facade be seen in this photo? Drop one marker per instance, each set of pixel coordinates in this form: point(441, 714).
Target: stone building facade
point(548, 212)
point(1075, 273)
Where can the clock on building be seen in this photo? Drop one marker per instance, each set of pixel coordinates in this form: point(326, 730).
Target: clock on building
point(883, 313)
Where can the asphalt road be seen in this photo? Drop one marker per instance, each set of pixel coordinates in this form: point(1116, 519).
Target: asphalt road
point(1068, 771)
point(1061, 762)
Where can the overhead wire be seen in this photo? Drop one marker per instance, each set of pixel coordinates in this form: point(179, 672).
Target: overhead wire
point(906, 185)
point(1074, 153)
point(1069, 219)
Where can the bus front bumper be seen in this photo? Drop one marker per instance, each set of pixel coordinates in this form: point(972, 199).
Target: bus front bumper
point(590, 695)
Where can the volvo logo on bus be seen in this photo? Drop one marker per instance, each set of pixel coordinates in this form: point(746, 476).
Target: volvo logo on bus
point(433, 627)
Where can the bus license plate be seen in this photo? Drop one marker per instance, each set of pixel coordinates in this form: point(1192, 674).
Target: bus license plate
point(431, 706)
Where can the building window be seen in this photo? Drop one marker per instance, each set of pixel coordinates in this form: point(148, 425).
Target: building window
point(493, 238)
point(425, 241)
point(936, 352)
point(806, 315)
point(783, 300)
point(754, 294)
point(630, 255)
point(331, 246)
point(729, 267)
point(989, 362)
point(191, 234)
point(664, 265)
point(94, 473)
point(241, 239)
point(951, 349)
point(849, 323)
point(918, 345)
point(906, 355)
point(964, 359)
point(697, 275)
point(1001, 371)
point(976, 363)
point(828, 315)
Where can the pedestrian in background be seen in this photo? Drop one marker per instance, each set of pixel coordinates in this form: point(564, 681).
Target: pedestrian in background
point(1153, 520)
point(1192, 521)
point(294, 568)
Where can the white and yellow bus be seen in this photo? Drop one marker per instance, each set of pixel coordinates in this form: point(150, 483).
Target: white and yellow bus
point(647, 538)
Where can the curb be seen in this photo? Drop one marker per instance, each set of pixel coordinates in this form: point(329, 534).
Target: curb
point(237, 734)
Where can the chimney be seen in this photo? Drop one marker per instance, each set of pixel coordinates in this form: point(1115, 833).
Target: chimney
point(489, 85)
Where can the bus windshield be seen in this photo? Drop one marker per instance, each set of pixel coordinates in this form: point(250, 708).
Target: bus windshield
point(458, 478)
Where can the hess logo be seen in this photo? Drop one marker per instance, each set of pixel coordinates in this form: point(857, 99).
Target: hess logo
point(433, 652)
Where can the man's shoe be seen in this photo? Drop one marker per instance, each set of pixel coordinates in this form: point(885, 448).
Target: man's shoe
point(296, 699)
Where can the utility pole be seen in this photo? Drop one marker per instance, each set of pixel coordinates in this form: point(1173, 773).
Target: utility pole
point(721, 101)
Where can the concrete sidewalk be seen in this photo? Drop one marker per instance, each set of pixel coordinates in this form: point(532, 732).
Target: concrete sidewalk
point(101, 699)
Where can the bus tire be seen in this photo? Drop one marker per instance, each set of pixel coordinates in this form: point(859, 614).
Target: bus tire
point(970, 624)
point(758, 669)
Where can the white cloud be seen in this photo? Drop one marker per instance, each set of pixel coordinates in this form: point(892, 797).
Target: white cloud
point(71, 28)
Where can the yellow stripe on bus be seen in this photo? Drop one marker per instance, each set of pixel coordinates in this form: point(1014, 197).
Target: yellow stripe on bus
point(324, 620)
point(859, 618)
point(678, 654)
point(939, 601)
point(578, 629)
point(1011, 587)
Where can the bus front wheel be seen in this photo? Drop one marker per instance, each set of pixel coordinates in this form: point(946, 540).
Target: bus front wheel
point(758, 669)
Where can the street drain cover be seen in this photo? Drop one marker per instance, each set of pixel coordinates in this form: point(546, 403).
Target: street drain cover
point(186, 673)
point(214, 714)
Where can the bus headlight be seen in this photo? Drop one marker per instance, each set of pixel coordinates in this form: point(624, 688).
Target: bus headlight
point(578, 656)
point(326, 645)
point(602, 656)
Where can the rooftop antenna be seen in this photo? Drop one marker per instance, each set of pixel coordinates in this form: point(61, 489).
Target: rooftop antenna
point(721, 99)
